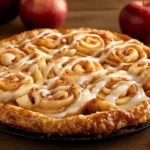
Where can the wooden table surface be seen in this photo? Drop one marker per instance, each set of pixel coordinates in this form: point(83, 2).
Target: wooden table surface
point(101, 14)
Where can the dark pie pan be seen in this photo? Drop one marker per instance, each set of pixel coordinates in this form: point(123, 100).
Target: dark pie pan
point(28, 134)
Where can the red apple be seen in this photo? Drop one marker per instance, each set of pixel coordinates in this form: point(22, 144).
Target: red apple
point(8, 10)
point(43, 13)
point(134, 20)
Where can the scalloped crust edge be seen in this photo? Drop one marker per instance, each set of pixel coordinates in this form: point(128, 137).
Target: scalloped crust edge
point(98, 123)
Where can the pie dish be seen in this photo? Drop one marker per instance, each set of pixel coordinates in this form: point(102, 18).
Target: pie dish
point(74, 82)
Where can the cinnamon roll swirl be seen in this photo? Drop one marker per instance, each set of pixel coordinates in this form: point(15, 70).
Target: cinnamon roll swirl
point(118, 91)
point(74, 81)
point(10, 56)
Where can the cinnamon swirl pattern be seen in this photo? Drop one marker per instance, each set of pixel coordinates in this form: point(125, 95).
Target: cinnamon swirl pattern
point(66, 73)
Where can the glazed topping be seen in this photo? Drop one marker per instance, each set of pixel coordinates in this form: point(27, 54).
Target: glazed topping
point(59, 74)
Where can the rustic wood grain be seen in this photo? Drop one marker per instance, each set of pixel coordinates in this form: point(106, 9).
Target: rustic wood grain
point(106, 19)
point(96, 4)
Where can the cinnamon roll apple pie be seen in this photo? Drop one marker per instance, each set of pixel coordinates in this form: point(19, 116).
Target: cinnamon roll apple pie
point(74, 81)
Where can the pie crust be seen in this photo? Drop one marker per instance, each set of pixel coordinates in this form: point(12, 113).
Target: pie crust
point(74, 81)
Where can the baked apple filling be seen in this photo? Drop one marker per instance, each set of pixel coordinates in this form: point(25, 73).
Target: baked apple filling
point(84, 71)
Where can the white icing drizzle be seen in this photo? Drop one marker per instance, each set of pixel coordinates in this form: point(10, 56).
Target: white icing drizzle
point(50, 55)
point(33, 68)
point(84, 97)
point(7, 46)
point(45, 32)
point(49, 66)
point(142, 78)
point(70, 65)
point(51, 81)
point(106, 79)
point(45, 55)
point(6, 96)
point(60, 88)
point(88, 95)
point(24, 89)
point(67, 63)
point(120, 46)
point(23, 60)
point(45, 92)
point(7, 74)
point(83, 78)
point(139, 78)
point(9, 96)
point(26, 60)
point(48, 33)
point(123, 87)
point(113, 45)
point(73, 32)
point(110, 45)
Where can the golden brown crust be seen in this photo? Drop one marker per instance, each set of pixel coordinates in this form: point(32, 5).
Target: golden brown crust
point(103, 122)
point(100, 122)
